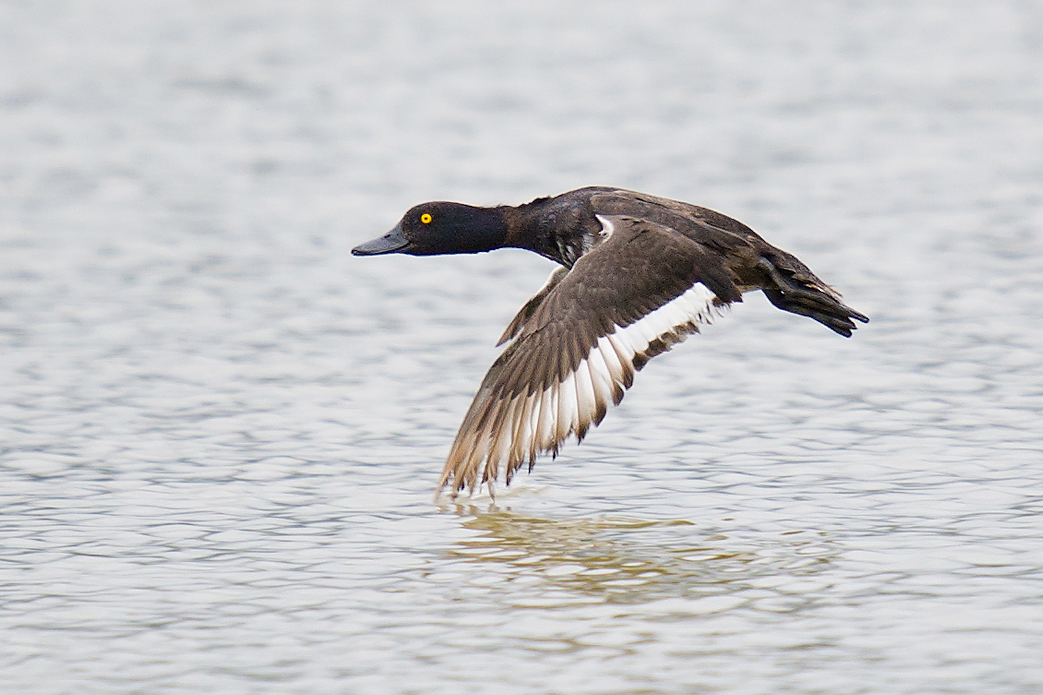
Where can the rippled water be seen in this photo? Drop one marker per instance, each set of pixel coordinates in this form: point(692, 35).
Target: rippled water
point(220, 432)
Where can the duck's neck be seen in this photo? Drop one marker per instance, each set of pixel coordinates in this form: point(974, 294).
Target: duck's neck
point(559, 232)
point(487, 229)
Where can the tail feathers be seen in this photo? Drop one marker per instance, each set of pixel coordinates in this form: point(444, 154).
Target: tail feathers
point(795, 289)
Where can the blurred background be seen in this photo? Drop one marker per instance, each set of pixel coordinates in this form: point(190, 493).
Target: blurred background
point(220, 433)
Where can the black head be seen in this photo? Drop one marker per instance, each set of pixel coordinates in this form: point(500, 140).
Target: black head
point(437, 228)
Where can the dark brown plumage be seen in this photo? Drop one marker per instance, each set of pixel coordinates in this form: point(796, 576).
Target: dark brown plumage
point(639, 274)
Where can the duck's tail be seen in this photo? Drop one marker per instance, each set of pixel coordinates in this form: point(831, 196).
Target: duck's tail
point(794, 288)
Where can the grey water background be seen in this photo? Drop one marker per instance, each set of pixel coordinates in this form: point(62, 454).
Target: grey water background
point(219, 432)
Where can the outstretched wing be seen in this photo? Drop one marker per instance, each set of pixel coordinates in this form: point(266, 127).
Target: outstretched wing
point(577, 344)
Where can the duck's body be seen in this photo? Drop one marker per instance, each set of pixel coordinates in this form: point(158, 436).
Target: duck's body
point(639, 274)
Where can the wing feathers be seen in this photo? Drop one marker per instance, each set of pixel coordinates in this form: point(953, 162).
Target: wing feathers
point(513, 427)
point(576, 345)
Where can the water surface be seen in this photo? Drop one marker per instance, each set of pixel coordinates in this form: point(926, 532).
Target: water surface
point(219, 432)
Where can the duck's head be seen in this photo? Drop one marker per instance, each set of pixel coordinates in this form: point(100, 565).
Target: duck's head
point(436, 228)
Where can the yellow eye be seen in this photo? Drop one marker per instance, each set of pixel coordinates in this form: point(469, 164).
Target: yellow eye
point(426, 218)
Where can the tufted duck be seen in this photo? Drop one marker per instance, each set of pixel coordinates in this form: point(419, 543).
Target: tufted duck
point(638, 274)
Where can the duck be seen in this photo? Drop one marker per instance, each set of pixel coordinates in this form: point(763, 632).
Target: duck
point(636, 274)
